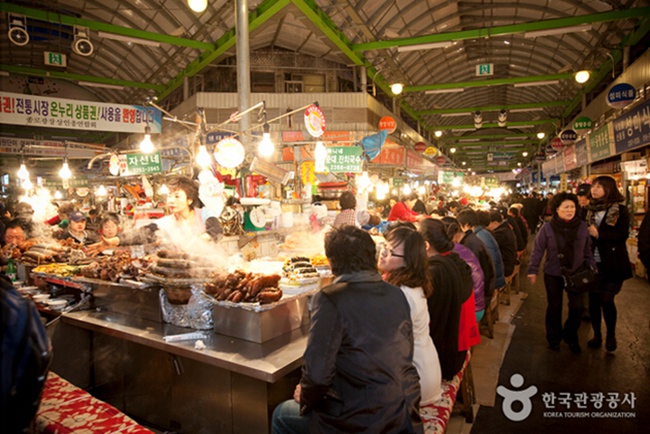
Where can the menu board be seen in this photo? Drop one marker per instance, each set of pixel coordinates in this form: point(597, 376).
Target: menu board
point(632, 129)
point(582, 157)
point(569, 157)
point(143, 164)
point(600, 143)
point(344, 159)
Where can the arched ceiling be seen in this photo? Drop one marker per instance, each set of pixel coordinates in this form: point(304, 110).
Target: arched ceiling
point(381, 35)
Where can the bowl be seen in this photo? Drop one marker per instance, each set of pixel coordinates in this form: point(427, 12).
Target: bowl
point(40, 298)
point(29, 290)
point(57, 304)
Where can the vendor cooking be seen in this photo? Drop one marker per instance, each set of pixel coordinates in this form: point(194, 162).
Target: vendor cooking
point(186, 221)
point(77, 230)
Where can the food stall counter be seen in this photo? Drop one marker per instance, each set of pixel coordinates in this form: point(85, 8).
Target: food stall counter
point(268, 361)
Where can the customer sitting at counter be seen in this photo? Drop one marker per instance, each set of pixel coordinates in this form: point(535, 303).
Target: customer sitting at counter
point(14, 232)
point(358, 373)
point(77, 230)
point(186, 221)
point(403, 211)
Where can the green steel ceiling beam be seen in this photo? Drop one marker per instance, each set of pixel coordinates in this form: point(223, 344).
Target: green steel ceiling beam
point(263, 13)
point(491, 82)
point(78, 77)
point(631, 39)
point(511, 142)
point(55, 18)
point(489, 136)
point(505, 30)
point(470, 110)
point(495, 125)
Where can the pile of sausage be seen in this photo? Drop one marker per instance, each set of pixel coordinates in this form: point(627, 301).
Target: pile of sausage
point(177, 265)
point(240, 286)
point(115, 267)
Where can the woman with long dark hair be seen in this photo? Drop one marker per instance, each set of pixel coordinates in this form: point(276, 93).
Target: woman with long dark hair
point(609, 227)
point(403, 262)
point(565, 240)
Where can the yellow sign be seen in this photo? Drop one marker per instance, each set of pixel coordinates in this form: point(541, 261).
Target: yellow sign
point(307, 169)
point(430, 151)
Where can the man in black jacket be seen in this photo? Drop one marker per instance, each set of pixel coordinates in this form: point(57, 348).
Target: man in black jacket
point(358, 373)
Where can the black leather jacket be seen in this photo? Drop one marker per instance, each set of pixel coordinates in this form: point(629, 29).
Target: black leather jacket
point(358, 373)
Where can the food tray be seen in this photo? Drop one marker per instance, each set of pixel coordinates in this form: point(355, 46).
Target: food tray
point(257, 306)
point(122, 282)
point(260, 323)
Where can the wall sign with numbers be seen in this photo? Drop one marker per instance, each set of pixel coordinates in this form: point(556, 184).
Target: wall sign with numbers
point(143, 164)
point(344, 159)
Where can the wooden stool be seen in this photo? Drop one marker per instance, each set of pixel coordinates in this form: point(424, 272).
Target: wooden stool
point(504, 292)
point(491, 315)
point(466, 407)
point(515, 280)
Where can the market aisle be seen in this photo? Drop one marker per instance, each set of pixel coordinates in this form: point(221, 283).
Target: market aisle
point(558, 374)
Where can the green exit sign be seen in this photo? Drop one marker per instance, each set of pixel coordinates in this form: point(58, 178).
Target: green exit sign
point(484, 69)
point(54, 59)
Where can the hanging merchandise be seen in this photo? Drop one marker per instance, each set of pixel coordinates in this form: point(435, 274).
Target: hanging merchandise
point(371, 145)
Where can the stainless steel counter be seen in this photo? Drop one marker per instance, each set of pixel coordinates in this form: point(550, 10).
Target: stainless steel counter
point(230, 387)
point(268, 362)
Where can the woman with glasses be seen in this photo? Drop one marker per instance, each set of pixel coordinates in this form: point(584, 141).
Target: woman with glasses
point(402, 261)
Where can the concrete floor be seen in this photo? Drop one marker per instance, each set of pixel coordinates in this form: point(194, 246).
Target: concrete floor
point(520, 347)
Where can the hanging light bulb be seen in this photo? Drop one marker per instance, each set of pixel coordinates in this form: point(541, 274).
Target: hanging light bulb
point(58, 195)
point(163, 190)
point(541, 135)
point(266, 146)
point(65, 172)
point(203, 157)
point(23, 173)
point(438, 133)
point(101, 191)
point(421, 190)
point(197, 5)
point(582, 76)
point(525, 154)
point(363, 182)
point(452, 150)
point(406, 189)
point(27, 184)
point(396, 88)
point(146, 145)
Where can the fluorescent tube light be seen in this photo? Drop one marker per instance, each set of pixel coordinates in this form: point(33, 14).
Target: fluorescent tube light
point(558, 31)
point(463, 129)
point(123, 38)
point(521, 110)
point(520, 126)
point(451, 115)
point(4, 73)
point(513, 145)
point(517, 138)
point(434, 91)
point(469, 140)
point(537, 83)
point(430, 46)
point(102, 85)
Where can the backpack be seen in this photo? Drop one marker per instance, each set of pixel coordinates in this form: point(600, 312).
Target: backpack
point(24, 359)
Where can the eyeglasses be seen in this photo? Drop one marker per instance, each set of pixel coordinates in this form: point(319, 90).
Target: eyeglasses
point(386, 248)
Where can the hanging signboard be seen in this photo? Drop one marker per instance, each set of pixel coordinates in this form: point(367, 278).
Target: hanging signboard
point(41, 111)
point(635, 169)
point(431, 151)
point(344, 159)
point(143, 164)
point(600, 143)
point(582, 124)
point(581, 153)
point(315, 120)
point(341, 137)
point(568, 137)
point(420, 147)
point(398, 182)
point(229, 152)
point(387, 123)
point(114, 165)
point(393, 156)
point(48, 148)
point(557, 143)
point(569, 156)
point(270, 170)
point(632, 129)
point(73, 182)
point(307, 172)
point(448, 176)
point(413, 160)
point(215, 136)
point(621, 95)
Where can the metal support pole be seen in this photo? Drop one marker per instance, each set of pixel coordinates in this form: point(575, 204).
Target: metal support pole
point(186, 88)
point(243, 65)
point(363, 75)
